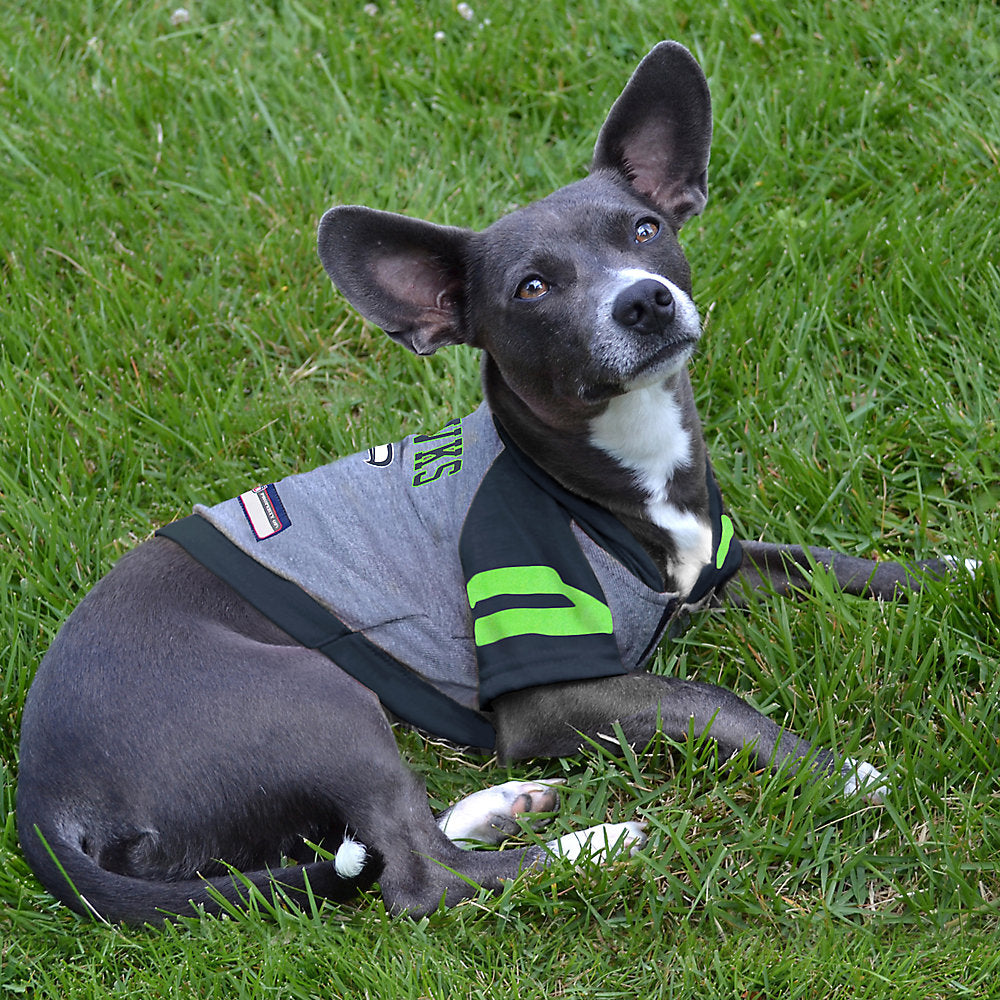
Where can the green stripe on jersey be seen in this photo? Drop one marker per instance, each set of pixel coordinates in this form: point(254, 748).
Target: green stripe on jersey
point(726, 539)
point(584, 615)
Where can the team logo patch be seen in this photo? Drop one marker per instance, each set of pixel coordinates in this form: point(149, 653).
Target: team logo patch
point(265, 511)
point(380, 456)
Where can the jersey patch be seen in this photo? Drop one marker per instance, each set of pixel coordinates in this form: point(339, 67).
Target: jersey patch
point(265, 511)
point(380, 456)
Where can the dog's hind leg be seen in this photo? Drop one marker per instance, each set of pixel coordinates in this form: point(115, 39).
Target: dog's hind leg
point(202, 737)
point(491, 815)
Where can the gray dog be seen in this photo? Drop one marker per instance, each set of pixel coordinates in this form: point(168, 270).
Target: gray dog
point(224, 694)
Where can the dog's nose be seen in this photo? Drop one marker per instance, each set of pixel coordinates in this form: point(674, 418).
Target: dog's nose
point(646, 307)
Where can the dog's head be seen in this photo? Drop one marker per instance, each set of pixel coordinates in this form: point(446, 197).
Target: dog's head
point(575, 298)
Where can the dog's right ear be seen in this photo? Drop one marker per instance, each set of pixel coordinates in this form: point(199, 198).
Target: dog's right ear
point(405, 275)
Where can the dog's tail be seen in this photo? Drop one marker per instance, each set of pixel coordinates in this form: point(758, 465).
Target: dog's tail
point(61, 863)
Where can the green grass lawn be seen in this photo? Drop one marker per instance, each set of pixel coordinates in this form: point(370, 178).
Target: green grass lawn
point(167, 336)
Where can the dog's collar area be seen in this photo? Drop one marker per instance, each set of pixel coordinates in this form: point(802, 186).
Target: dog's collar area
point(727, 553)
point(595, 521)
point(602, 527)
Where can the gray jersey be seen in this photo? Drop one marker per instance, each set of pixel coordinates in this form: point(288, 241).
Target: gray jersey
point(375, 538)
point(454, 555)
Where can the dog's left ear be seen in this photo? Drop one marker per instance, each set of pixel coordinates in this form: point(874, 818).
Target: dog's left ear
point(405, 275)
point(658, 133)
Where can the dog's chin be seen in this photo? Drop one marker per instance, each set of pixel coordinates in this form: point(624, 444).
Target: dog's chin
point(667, 361)
point(639, 373)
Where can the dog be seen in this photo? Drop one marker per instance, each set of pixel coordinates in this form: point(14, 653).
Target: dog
point(222, 698)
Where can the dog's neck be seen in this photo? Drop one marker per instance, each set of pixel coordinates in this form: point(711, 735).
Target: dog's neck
point(640, 455)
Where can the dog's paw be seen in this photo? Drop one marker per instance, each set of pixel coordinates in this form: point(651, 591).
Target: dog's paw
point(862, 777)
point(491, 815)
point(969, 565)
point(600, 843)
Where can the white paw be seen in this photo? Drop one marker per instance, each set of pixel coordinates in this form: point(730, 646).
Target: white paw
point(349, 861)
point(862, 777)
point(491, 815)
point(969, 565)
point(600, 843)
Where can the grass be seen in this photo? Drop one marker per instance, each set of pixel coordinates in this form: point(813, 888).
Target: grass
point(168, 336)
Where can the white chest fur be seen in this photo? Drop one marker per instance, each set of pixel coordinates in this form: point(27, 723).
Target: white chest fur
point(643, 430)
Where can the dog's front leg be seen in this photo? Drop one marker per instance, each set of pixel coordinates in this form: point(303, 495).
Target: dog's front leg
point(784, 568)
point(549, 721)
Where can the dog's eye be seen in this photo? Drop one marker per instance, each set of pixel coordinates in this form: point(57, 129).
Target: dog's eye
point(532, 288)
point(646, 230)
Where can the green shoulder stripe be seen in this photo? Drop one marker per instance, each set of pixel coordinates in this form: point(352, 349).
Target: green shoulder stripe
point(725, 541)
point(582, 615)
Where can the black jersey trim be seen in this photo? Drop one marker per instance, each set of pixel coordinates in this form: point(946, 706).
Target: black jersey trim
point(595, 521)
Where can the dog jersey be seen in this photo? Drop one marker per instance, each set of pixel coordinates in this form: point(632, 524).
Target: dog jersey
point(447, 569)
